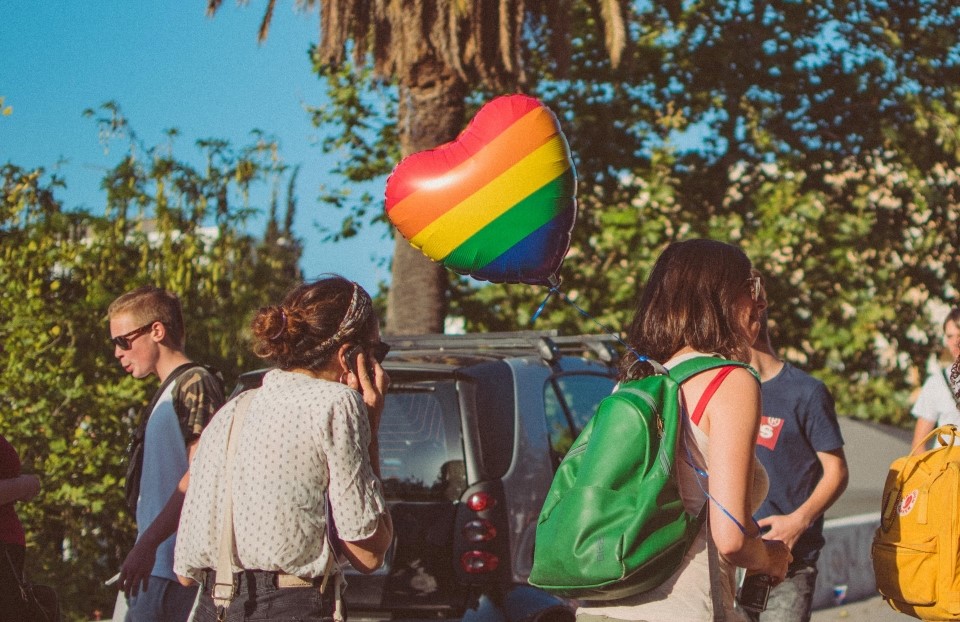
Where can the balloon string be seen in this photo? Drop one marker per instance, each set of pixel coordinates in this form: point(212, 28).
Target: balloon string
point(553, 290)
point(603, 327)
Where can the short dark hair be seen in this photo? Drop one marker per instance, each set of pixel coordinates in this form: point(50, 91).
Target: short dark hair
point(689, 300)
point(152, 304)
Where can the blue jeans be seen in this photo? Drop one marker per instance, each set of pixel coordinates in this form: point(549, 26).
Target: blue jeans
point(256, 597)
point(791, 600)
point(165, 601)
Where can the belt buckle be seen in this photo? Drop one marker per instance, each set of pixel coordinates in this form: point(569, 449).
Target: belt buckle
point(288, 580)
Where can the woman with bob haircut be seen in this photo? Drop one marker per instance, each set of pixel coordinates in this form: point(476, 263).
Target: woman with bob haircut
point(702, 298)
point(306, 452)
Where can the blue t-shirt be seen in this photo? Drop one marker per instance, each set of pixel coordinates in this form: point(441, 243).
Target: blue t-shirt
point(164, 463)
point(798, 421)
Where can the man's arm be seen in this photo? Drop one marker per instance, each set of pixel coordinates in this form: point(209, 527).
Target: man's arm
point(139, 562)
point(790, 527)
point(921, 430)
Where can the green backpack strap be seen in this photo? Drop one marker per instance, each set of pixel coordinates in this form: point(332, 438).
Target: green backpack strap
point(682, 372)
point(688, 369)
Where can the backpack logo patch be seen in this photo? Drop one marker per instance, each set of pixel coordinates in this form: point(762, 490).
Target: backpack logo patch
point(770, 428)
point(907, 503)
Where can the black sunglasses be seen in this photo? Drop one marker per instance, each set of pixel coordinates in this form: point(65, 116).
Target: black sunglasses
point(125, 342)
point(379, 350)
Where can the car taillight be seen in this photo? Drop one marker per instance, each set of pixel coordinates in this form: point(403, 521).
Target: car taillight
point(481, 501)
point(479, 562)
point(480, 530)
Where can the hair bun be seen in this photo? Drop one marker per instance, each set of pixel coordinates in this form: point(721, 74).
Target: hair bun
point(282, 325)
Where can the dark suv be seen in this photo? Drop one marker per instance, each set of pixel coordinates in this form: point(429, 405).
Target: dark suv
point(473, 429)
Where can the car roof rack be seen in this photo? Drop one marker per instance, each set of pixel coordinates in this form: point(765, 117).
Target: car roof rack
point(548, 344)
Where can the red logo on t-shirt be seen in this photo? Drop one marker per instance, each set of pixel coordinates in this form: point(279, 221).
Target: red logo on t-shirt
point(770, 428)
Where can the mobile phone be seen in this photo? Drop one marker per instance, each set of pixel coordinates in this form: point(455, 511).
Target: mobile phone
point(754, 592)
point(352, 355)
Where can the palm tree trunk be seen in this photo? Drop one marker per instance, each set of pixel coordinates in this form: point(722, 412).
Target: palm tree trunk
point(431, 113)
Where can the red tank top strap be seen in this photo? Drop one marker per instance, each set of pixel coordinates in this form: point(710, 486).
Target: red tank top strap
point(708, 393)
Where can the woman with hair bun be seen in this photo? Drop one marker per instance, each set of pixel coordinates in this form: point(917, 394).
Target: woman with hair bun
point(307, 440)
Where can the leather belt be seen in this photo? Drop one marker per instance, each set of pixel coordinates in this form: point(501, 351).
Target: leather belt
point(284, 580)
point(280, 580)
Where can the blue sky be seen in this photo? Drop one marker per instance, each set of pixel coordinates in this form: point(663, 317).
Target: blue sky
point(167, 65)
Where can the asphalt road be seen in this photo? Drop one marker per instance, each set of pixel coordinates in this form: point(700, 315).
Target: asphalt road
point(870, 610)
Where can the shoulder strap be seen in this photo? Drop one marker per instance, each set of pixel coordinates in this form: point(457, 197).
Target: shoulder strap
point(213, 371)
point(212, 382)
point(145, 415)
point(685, 371)
point(690, 368)
point(16, 574)
point(223, 575)
point(709, 391)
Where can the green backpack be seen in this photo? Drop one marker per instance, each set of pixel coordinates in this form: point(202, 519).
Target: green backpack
point(613, 523)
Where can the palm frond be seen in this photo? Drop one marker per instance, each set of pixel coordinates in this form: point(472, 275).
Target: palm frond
point(333, 33)
point(451, 15)
point(265, 23)
point(361, 19)
point(615, 31)
point(506, 34)
point(212, 6)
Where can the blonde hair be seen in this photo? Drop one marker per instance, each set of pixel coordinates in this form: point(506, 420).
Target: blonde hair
point(151, 304)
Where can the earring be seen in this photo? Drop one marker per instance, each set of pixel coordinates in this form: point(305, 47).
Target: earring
point(343, 377)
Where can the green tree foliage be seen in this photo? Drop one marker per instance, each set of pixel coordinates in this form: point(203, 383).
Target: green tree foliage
point(64, 402)
point(821, 137)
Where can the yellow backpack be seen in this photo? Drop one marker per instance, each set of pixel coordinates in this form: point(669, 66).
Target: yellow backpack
point(915, 549)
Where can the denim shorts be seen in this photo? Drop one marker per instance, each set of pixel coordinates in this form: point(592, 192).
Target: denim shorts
point(163, 601)
point(257, 597)
point(791, 600)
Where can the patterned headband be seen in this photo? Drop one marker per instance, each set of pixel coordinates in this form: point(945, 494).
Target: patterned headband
point(356, 316)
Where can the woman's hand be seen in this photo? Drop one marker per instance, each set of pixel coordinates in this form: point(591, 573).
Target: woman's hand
point(373, 388)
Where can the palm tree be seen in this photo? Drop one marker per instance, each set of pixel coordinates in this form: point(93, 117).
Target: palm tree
point(437, 51)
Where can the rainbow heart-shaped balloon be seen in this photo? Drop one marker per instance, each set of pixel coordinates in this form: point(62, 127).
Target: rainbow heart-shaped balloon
point(498, 202)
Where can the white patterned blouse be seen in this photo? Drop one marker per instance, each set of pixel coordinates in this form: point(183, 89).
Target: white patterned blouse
point(301, 438)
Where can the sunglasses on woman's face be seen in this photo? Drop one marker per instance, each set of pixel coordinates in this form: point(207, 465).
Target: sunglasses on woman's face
point(125, 342)
point(756, 286)
point(378, 350)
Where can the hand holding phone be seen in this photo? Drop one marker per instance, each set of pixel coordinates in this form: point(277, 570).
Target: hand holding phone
point(352, 354)
point(373, 385)
point(373, 353)
point(754, 592)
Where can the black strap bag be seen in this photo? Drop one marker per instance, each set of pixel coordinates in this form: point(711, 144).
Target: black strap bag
point(135, 450)
point(40, 602)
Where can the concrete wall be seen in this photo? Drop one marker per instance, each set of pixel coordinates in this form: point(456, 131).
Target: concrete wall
point(846, 571)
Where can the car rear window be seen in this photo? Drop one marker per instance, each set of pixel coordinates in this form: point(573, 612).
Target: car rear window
point(421, 448)
point(570, 401)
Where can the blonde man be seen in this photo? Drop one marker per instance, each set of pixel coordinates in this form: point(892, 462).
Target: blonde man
point(147, 331)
